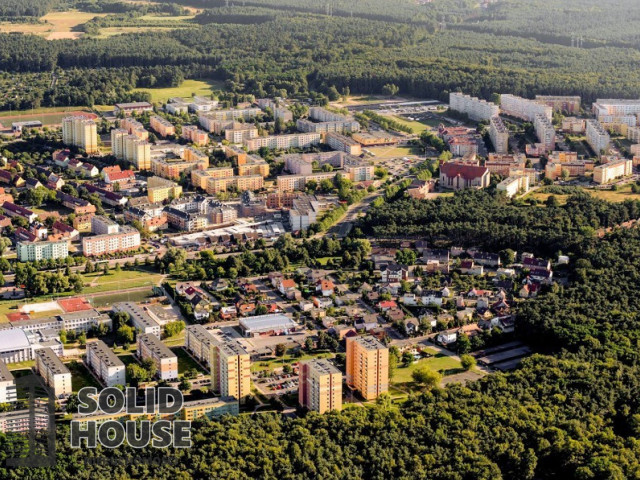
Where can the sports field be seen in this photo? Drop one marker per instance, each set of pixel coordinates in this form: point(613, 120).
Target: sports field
point(187, 89)
point(48, 116)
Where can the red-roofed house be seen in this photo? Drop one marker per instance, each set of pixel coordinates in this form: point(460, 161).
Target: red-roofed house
point(326, 287)
point(456, 176)
point(118, 176)
point(387, 305)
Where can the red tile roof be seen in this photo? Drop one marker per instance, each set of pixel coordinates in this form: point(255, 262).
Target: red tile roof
point(468, 172)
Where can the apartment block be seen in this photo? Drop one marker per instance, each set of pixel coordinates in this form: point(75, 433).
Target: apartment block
point(162, 126)
point(563, 157)
point(131, 148)
point(199, 177)
point(210, 408)
point(241, 133)
point(514, 185)
point(206, 120)
point(475, 108)
point(290, 183)
point(554, 170)
point(34, 251)
point(230, 370)
point(545, 132)
point(141, 320)
point(240, 183)
point(107, 365)
point(500, 164)
point(104, 226)
point(561, 103)
point(611, 110)
point(160, 189)
point(199, 341)
point(296, 140)
point(135, 128)
point(8, 391)
point(367, 366)
point(340, 126)
point(302, 164)
point(499, 135)
point(523, 108)
point(573, 125)
point(597, 137)
point(358, 170)
point(194, 135)
point(171, 167)
point(80, 131)
point(150, 347)
point(55, 374)
point(612, 171)
point(320, 386)
point(343, 143)
point(127, 239)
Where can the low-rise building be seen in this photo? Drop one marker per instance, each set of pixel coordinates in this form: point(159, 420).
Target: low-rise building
point(210, 408)
point(264, 325)
point(140, 319)
point(35, 251)
point(132, 107)
point(514, 185)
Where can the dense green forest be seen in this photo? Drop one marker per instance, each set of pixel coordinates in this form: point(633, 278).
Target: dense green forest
point(262, 47)
point(571, 411)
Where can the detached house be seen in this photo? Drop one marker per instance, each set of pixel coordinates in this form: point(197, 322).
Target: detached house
point(394, 273)
point(326, 287)
point(487, 259)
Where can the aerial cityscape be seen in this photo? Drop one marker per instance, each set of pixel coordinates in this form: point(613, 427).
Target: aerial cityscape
point(350, 240)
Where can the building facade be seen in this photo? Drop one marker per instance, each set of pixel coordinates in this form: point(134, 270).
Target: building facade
point(367, 366)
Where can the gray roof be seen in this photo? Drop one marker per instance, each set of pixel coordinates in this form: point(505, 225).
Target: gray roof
point(13, 339)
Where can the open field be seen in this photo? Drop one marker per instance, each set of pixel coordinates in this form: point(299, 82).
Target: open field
point(192, 10)
point(418, 127)
point(187, 89)
point(81, 377)
point(623, 193)
point(439, 362)
point(47, 116)
point(393, 151)
point(54, 25)
point(167, 18)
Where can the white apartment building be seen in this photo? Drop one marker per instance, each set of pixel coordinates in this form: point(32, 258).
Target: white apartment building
point(523, 108)
point(477, 109)
point(150, 347)
point(34, 251)
point(295, 140)
point(8, 391)
point(55, 374)
point(101, 225)
point(612, 110)
point(597, 137)
point(499, 135)
point(513, 185)
point(126, 239)
point(612, 171)
point(545, 132)
point(106, 364)
point(239, 135)
point(141, 320)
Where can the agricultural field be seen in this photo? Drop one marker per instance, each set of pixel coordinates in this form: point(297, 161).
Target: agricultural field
point(187, 89)
point(54, 25)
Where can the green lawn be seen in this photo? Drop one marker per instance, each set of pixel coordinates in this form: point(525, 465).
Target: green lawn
point(187, 89)
point(439, 362)
point(384, 153)
point(21, 365)
point(185, 362)
point(81, 377)
point(418, 127)
point(176, 340)
point(118, 281)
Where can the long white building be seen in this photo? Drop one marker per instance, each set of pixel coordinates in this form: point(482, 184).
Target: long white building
point(476, 108)
point(523, 108)
point(615, 110)
point(106, 364)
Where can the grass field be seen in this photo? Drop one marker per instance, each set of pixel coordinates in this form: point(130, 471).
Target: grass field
point(81, 377)
point(54, 25)
point(383, 153)
point(112, 31)
point(187, 89)
point(118, 281)
point(185, 362)
point(439, 362)
point(21, 365)
point(418, 127)
point(48, 116)
point(623, 193)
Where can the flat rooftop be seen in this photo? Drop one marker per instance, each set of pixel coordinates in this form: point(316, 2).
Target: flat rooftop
point(267, 322)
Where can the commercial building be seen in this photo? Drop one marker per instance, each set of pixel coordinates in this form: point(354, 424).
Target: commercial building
point(597, 137)
point(150, 347)
point(107, 365)
point(14, 346)
point(80, 131)
point(295, 140)
point(133, 107)
point(459, 176)
point(140, 319)
point(475, 108)
point(372, 139)
point(343, 143)
point(8, 391)
point(34, 251)
point(514, 185)
point(264, 325)
point(612, 171)
point(162, 126)
point(367, 366)
point(320, 386)
point(199, 341)
point(127, 239)
point(210, 408)
point(55, 374)
point(545, 132)
point(160, 189)
point(304, 213)
point(561, 103)
point(230, 370)
point(523, 108)
point(499, 135)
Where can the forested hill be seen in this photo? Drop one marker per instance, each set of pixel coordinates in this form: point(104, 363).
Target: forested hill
point(573, 414)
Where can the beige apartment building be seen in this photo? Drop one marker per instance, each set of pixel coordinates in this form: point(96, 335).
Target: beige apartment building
point(247, 182)
point(367, 366)
point(199, 178)
point(196, 136)
point(55, 374)
point(342, 143)
point(320, 386)
point(80, 131)
point(150, 346)
point(135, 128)
point(499, 135)
point(106, 364)
point(162, 126)
point(160, 189)
point(612, 171)
point(199, 341)
point(295, 140)
point(230, 370)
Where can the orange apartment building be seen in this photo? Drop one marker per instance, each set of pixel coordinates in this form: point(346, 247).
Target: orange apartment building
point(162, 126)
point(199, 178)
point(135, 128)
point(320, 386)
point(150, 347)
point(367, 366)
point(196, 136)
point(230, 370)
point(248, 182)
